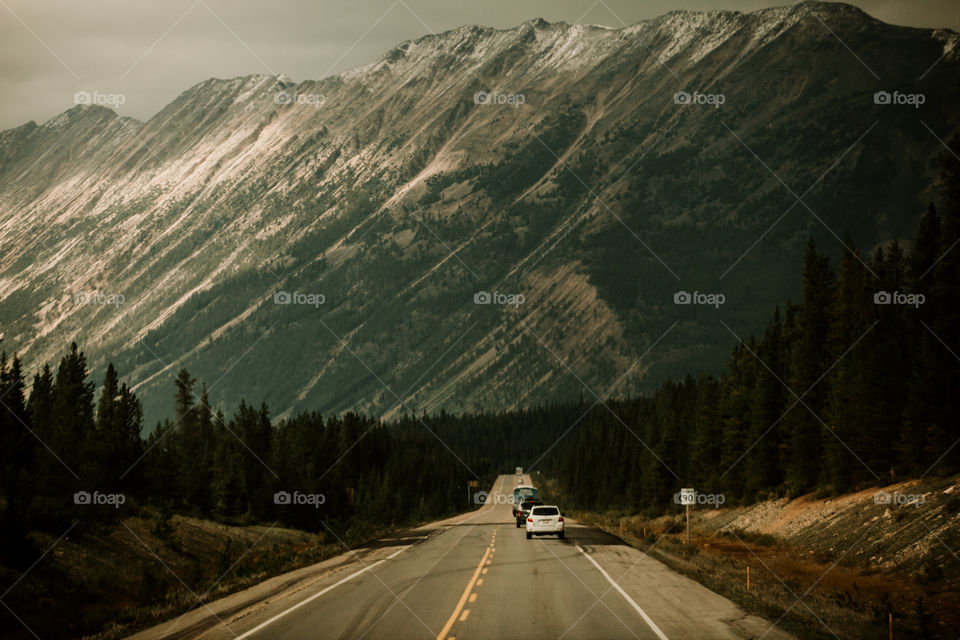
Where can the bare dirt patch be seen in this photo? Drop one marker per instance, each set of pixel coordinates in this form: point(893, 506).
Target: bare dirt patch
point(823, 567)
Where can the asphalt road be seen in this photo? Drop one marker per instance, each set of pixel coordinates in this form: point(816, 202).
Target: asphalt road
point(476, 576)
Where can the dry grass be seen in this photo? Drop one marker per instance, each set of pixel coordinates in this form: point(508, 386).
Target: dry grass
point(109, 581)
point(837, 585)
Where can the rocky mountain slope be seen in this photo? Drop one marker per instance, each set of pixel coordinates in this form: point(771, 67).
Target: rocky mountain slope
point(320, 244)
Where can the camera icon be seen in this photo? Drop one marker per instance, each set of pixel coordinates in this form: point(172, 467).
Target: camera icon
point(82, 97)
point(482, 297)
point(882, 97)
point(882, 297)
point(682, 297)
point(681, 97)
point(481, 97)
point(81, 497)
point(481, 497)
point(282, 297)
point(282, 97)
point(883, 498)
point(281, 497)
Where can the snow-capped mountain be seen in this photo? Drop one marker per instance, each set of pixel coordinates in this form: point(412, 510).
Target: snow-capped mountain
point(330, 244)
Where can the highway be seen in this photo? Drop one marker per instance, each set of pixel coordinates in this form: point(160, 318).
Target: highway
point(471, 577)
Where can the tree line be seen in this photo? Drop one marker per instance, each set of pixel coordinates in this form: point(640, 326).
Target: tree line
point(855, 384)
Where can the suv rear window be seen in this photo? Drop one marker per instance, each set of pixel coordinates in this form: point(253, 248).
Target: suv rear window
point(546, 511)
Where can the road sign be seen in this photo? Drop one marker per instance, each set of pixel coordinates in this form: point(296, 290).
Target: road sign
point(687, 498)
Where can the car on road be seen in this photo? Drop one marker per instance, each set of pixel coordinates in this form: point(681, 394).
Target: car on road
point(523, 492)
point(521, 510)
point(545, 520)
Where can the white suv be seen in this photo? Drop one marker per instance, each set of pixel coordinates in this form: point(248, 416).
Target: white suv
point(545, 520)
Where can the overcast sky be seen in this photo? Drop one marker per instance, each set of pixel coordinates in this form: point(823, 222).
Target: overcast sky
point(151, 50)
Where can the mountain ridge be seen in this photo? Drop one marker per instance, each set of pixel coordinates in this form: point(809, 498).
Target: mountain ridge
point(398, 195)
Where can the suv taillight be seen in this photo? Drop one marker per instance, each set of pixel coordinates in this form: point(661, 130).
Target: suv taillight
point(529, 519)
point(560, 519)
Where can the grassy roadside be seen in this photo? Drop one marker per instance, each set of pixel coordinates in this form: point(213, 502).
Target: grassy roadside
point(109, 581)
point(840, 598)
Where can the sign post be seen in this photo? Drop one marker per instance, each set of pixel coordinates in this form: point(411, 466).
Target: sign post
point(687, 498)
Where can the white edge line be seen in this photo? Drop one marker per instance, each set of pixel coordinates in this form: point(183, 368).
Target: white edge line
point(317, 595)
point(643, 614)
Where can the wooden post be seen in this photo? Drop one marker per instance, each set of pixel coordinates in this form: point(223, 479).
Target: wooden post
point(891, 626)
point(688, 523)
point(748, 577)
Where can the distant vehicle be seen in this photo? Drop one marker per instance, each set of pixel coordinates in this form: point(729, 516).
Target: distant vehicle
point(519, 471)
point(545, 520)
point(524, 508)
point(522, 492)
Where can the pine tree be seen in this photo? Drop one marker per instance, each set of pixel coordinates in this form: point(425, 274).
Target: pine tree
point(706, 444)
point(193, 440)
point(126, 428)
point(944, 433)
point(850, 318)
point(886, 362)
point(736, 397)
point(809, 359)
point(16, 443)
point(17, 457)
point(72, 432)
point(102, 449)
point(762, 463)
point(925, 386)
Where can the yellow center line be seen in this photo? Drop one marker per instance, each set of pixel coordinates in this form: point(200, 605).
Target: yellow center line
point(473, 598)
point(463, 598)
point(463, 616)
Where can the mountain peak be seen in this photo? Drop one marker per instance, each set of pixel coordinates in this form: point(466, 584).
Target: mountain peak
point(452, 128)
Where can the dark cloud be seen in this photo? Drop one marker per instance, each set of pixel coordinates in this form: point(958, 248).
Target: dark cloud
point(151, 50)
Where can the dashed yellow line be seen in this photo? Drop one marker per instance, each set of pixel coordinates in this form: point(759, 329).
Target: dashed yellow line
point(463, 598)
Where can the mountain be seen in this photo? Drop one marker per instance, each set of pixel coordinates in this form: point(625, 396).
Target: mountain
point(320, 244)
